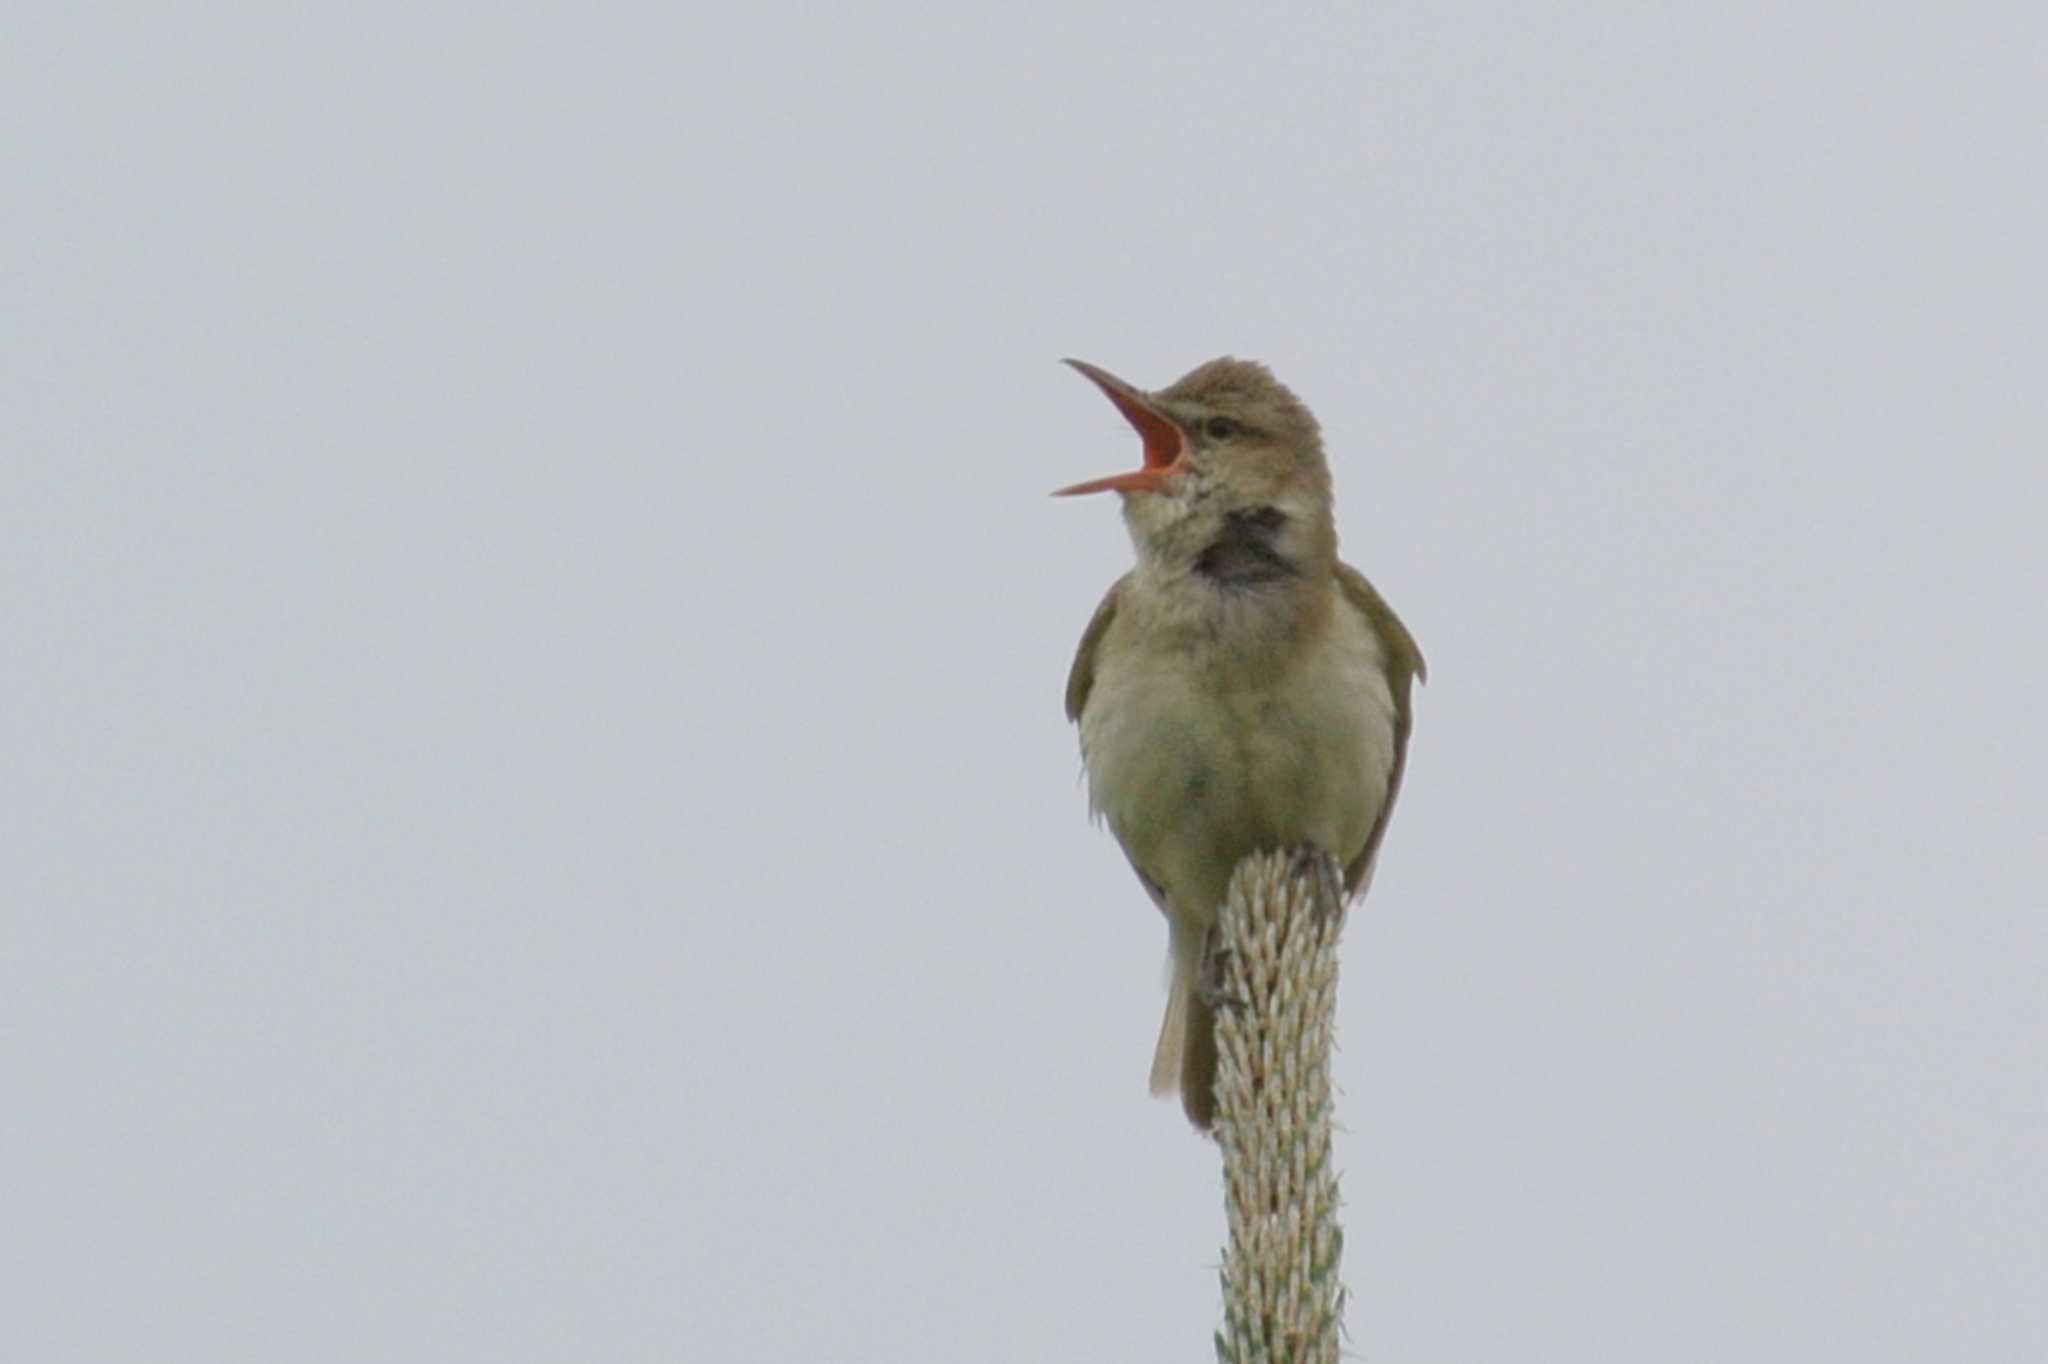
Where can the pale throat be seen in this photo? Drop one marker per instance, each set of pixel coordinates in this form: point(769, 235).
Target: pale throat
point(1242, 590)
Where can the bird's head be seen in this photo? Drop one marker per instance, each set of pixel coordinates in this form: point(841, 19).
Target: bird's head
point(1226, 446)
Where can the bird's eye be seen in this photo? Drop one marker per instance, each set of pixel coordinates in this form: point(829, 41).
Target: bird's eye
point(1219, 428)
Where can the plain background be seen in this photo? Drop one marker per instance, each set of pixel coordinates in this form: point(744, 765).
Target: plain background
point(538, 824)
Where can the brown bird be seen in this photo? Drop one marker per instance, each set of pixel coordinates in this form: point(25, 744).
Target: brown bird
point(1239, 690)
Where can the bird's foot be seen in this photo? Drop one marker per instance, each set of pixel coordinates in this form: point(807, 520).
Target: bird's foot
point(1319, 869)
point(1210, 984)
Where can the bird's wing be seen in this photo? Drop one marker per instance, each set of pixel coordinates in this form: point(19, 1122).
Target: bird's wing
point(1081, 678)
point(1404, 668)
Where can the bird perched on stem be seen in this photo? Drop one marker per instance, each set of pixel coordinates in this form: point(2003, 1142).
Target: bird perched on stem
point(1240, 690)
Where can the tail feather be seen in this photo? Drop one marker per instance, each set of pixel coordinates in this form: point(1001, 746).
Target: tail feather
point(1185, 1059)
point(1198, 1067)
point(1172, 1039)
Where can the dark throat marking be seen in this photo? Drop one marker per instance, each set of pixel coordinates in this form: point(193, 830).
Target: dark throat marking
point(1243, 554)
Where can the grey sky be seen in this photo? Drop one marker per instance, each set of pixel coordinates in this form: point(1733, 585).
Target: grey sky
point(538, 824)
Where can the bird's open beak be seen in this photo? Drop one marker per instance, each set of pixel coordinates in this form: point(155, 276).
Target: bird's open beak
point(1165, 444)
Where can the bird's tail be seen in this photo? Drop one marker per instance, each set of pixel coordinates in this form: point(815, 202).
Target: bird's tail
point(1185, 1059)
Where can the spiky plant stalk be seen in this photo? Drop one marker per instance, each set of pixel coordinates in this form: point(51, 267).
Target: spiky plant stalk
point(1276, 976)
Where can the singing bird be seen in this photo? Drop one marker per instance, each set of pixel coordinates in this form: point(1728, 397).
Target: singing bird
point(1241, 689)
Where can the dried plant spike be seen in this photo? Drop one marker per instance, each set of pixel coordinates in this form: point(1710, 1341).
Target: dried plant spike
point(1283, 1302)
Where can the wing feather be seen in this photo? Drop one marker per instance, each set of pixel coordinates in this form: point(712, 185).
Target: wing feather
point(1081, 677)
point(1404, 668)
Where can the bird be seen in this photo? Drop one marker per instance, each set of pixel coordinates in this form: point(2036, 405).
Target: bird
point(1240, 689)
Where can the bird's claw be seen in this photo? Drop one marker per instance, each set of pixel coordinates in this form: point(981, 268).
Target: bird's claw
point(1209, 985)
point(1319, 869)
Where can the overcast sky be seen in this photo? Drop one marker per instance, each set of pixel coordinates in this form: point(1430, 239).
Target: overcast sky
point(537, 818)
